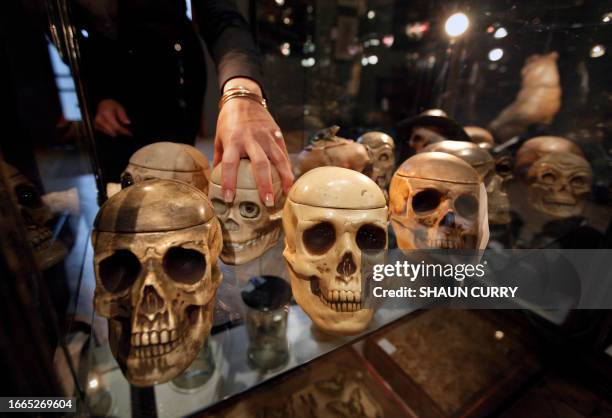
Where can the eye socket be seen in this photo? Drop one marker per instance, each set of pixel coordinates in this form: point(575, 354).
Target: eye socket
point(578, 181)
point(466, 205)
point(503, 168)
point(119, 271)
point(368, 169)
point(219, 206)
point(28, 196)
point(548, 178)
point(383, 157)
point(426, 200)
point(371, 237)
point(126, 180)
point(184, 265)
point(249, 210)
point(319, 238)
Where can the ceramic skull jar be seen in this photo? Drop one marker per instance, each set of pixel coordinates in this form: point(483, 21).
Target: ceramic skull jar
point(435, 203)
point(537, 147)
point(168, 160)
point(36, 216)
point(328, 149)
point(381, 149)
point(332, 215)
point(156, 245)
point(498, 204)
point(559, 183)
point(249, 227)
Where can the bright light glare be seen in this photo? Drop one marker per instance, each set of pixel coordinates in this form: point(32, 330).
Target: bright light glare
point(500, 33)
point(496, 54)
point(364, 61)
point(372, 60)
point(598, 51)
point(93, 383)
point(280, 2)
point(457, 24)
point(308, 62)
point(607, 18)
point(371, 14)
point(285, 49)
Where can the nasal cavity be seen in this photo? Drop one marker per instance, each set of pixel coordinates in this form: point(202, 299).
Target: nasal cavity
point(151, 301)
point(448, 220)
point(347, 266)
point(231, 225)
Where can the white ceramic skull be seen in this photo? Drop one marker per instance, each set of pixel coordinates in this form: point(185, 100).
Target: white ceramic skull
point(435, 203)
point(249, 227)
point(481, 160)
point(559, 183)
point(36, 215)
point(332, 215)
point(381, 149)
point(156, 245)
point(168, 160)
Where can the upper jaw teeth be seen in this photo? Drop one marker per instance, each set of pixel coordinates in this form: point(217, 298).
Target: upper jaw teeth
point(242, 245)
point(444, 243)
point(154, 343)
point(341, 300)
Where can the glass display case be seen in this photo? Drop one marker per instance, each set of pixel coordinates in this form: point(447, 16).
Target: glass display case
point(134, 291)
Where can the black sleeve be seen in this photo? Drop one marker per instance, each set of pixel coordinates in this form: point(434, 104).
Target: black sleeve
point(229, 40)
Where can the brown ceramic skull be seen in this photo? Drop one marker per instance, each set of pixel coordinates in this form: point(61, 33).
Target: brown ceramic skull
point(434, 203)
point(168, 160)
point(249, 227)
point(381, 149)
point(36, 215)
point(327, 149)
point(535, 148)
point(559, 183)
point(480, 136)
point(156, 245)
point(332, 215)
point(498, 204)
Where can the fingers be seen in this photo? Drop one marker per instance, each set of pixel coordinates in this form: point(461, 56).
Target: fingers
point(218, 151)
point(261, 170)
point(108, 123)
point(229, 171)
point(121, 115)
point(279, 157)
point(102, 126)
point(280, 141)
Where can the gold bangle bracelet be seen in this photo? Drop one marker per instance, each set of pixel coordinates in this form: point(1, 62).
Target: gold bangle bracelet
point(241, 92)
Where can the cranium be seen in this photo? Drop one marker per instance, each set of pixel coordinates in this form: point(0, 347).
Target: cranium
point(249, 227)
point(480, 136)
point(537, 147)
point(484, 164)
point(381, 149)
point(36, 215)
point(331, 216)
point(559, 182)
point(156, 245)
point(435, 200)
point(168, 160)
point(327, 149)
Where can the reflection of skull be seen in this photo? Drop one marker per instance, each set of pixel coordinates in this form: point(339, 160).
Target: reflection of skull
point(249, 227)
point(559, 182)
point(331, 216)
point(168, 160)
point(435, 203)
point(480, 136)
point(35, 214)
point(537, 147)
point(156, 245)
point(484, 164)
point(327, 149)
point(380, 147)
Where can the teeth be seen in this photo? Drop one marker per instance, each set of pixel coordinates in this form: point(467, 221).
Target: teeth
point(241, 245)
point(154, 344)
point(154, 337)
point(343, 296)
point(340, 306)
point(349, 296)
point(164, 336)
point(145, 338)
point(173, 335)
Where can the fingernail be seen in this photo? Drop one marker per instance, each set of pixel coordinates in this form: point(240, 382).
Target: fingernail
point(269, 200)
point(228, 196)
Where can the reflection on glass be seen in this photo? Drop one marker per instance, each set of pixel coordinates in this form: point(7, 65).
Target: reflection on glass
point(198, 373)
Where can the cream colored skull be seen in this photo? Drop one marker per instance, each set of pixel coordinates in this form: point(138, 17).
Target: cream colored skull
point(249, 227)
point(481, 160)
point(537, 147)
point(156, 245)
point(381, 149)
point(559, 183)
point(435, 200)
point(329, 150)
point(168, 160)
point(331, 216)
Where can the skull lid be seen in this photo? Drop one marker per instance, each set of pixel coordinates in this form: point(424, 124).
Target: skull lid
point(375, 139)
point(154, 206)
point(480, 136)
point(337, 188)
point(438, 166)
point(535, 148)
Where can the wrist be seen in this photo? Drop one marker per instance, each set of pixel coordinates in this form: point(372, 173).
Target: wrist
point(247, 83)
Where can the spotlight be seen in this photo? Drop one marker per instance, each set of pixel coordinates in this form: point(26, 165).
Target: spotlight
point(500, 33)
point(456, 25)
point(496, 54)
point(371, 14)
point(598, 51)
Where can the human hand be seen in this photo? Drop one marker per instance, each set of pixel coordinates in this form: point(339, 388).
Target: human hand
point(111, 118)
point(245, 129)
